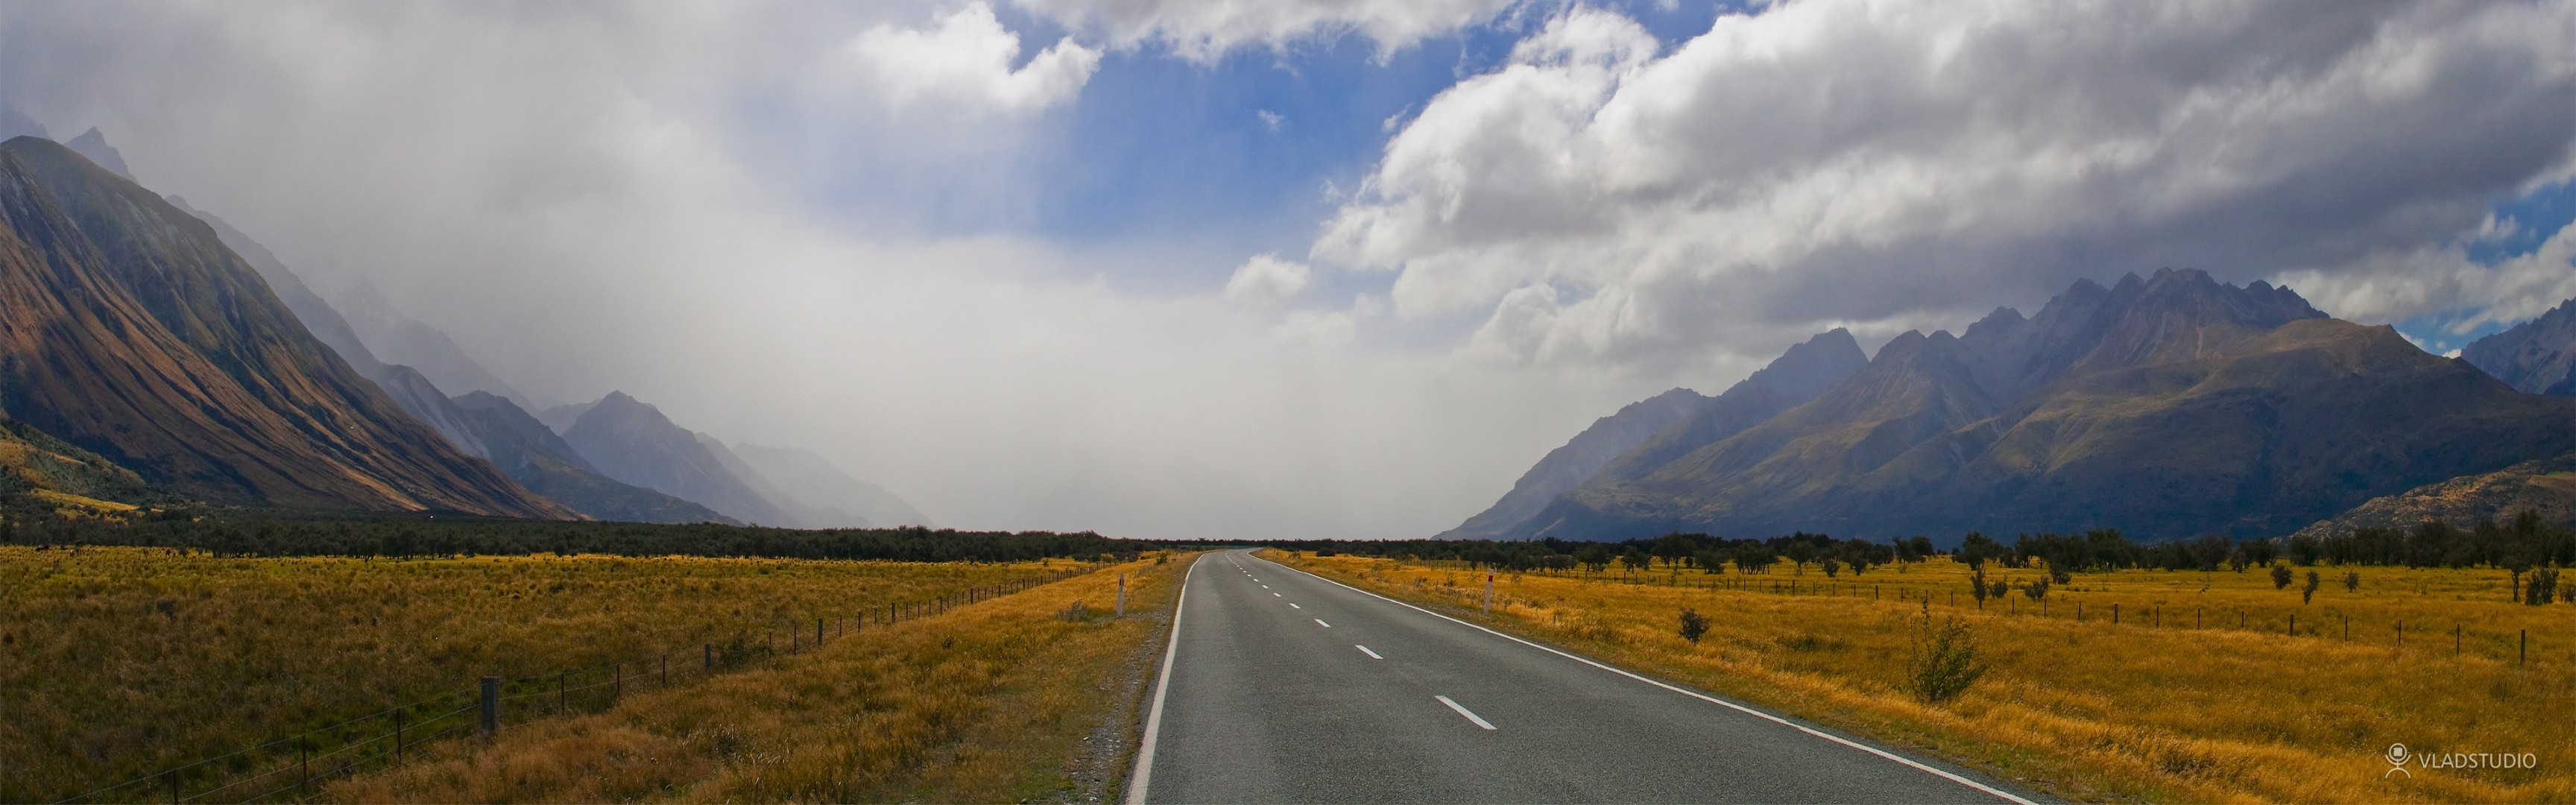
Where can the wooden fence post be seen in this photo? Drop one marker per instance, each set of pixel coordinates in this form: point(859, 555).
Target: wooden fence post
point(711, 658)
point(491, 707)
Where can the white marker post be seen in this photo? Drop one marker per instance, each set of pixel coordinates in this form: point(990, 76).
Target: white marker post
point(1122, 595)
point(1489, 598)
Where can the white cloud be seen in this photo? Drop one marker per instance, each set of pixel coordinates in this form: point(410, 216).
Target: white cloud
point(1266, 278)
point(1206, 29)
point(1871, 160)
point(966, 59)
point(2440, 278)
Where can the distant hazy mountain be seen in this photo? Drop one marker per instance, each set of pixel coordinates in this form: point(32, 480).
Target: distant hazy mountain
point(561, 417)
point(94, 145)
point(827, 496)
point(2171, 406)
point(536, 457)
point(634, 443)
point(317, 315)
point(14, 124)
point(396, 338)
point(2536, 356)
point(129, 329)
point(424, 402)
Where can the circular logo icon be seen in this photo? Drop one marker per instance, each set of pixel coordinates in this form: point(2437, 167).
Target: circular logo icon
point(2396, 754)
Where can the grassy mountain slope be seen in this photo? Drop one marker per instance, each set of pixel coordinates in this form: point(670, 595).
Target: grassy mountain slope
point(127, 328)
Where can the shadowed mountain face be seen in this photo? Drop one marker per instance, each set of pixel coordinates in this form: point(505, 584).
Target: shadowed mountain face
point(536, 457)
point(635, 444)
point(2167, 407)
point(129, 329)
point(1649, 433)
point(828, 497)
point(2536, 356)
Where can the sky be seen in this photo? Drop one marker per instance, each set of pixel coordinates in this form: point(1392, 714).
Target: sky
point(1305, 268)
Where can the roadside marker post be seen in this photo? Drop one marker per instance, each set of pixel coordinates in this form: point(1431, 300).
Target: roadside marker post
point(1489, 593)
point(1122, 595)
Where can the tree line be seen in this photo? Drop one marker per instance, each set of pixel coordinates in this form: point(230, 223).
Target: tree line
point(395, 537)
point(2521, 543)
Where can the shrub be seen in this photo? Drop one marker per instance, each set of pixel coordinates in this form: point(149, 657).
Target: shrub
point(2352, 581)
point(2037, 589)
point(1833, 567)
point(2543, 587)
point(2309, 593)
point(1693, 625)
point(2280, 577)
point(1977, 583)
point(1945, 660)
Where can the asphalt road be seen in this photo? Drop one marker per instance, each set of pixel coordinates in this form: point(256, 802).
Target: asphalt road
point(1280, 686)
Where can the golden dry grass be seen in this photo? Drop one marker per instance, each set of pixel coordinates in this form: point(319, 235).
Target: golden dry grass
point(984, 703)
point(120, 661)
point(2149, 709)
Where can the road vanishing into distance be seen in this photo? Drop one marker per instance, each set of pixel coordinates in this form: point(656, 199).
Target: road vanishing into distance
point(1280, 686)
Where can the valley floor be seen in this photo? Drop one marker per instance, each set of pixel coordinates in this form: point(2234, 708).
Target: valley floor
point(941, 681)
point(2203, 690)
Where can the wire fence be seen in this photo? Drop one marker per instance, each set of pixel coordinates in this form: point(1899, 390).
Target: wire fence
point(292, 768)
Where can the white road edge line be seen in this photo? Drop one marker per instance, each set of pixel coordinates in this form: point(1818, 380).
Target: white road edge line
point(1364, 650)
point(1999, 794)
point(1293, 605)
point(1276, 595)
point(1144, 774)
point(1462, 710)
point(1321, 621)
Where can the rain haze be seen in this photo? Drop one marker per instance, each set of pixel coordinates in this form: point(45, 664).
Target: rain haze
point(1304, 268)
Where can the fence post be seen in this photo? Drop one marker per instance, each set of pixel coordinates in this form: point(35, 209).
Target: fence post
point(711, 658)
point(563, 692)
point(398, 739)
point(2455, 640)
point(174, 786)
point(491, 706)
point(1122, 595)
point(617, 689)
point(304, 765)
point(818, 631)
point(2294, 625)
point(666, 669)
point(2115, 614)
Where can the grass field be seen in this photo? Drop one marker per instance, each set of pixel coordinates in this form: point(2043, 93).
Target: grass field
point(1000, 701)
point(121, 661)
point(2175, 702)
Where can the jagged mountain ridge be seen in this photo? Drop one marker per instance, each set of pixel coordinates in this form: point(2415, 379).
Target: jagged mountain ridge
point(2167, 406)
point(129, 329)
point(832, 497)
point(2536, 356)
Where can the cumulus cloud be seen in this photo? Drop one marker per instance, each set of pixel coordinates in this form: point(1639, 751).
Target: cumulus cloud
point(966, 59)
point(1206, 29)
point(1266, 278)
point(1869, 161)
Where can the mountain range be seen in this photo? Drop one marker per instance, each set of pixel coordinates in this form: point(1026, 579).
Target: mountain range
point(2167, 406)
point(155, 353)
point(134, 333)
point(2536, 356)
